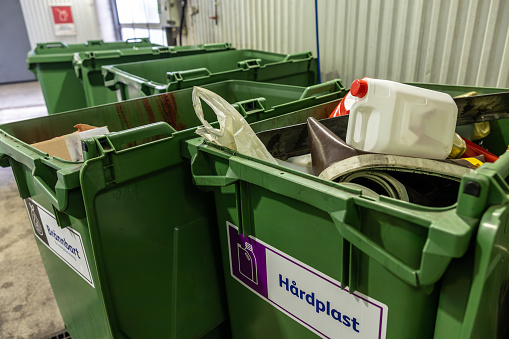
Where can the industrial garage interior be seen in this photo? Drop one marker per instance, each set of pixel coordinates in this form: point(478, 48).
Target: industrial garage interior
point(451, 46)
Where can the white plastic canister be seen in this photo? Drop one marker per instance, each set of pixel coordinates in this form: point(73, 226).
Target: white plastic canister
point(394, 118)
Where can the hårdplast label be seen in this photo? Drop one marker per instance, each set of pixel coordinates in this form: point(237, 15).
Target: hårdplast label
point(308, 296)
point(66, 243)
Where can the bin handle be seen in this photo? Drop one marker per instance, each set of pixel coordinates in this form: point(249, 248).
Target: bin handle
point(55, 44)
point(57, 197)
point(160, 49)
point(486, 186)
point(376, 252)
point(95, 42)
point(200, 178)
point(146, 89)
point(188, 75)
point(250, 106)
point(298, 56)
point(433, 260)
point(331, 86)
point(501, 166)
point(442, 243)
point(44, 188)
point(117, 139)
point(249, 63)
point(134, 40)
point(110, 78)
point(219, 45)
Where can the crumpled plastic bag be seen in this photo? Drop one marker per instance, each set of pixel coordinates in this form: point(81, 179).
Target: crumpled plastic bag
point(234, 132)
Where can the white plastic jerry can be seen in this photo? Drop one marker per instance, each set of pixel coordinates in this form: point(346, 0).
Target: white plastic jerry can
point(394, 118)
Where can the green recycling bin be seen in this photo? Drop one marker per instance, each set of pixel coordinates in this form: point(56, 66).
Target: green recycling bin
point(305, 257)
point(52, 64)
point(134, 80)
point(128, 242)
point(87, 65)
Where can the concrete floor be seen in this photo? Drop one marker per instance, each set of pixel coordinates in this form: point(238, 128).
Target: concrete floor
point(27, 306)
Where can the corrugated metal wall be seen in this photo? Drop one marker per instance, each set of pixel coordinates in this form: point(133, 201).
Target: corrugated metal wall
point(437, 41)
point(283, 26)
point(39, 21)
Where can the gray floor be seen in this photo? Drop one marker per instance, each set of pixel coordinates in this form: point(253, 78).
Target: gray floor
point(27, 306)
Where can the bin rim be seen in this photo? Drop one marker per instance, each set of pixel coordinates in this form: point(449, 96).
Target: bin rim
point(62, 54)
point(288, 57)
point(416, 83)
point(114, 74)
point(81, 56)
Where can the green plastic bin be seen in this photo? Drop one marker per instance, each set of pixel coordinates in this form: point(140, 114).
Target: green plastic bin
point(52, 64)
point(134, 80)
point(87, 65)
point(152, 266)
point(304, 257)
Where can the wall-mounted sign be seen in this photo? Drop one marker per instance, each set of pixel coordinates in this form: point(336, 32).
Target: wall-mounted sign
point(63, 21)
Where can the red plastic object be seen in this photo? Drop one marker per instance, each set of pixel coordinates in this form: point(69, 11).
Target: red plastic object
point(359, 88)
point(475, 150)
point(340, 108)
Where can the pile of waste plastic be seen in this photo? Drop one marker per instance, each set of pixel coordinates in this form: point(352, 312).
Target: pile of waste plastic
point(384, 138)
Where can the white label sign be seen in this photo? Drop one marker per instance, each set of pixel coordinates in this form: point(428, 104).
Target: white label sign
point(63, 20)
point(308, 296)
point(66, 243)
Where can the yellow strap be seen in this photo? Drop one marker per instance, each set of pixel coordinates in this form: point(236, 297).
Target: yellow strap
point(474, 161)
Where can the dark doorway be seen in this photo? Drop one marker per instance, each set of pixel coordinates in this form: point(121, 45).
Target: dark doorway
point(15, 45)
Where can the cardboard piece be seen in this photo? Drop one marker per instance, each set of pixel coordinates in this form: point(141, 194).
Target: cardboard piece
point(54, 148)
point(68, 146)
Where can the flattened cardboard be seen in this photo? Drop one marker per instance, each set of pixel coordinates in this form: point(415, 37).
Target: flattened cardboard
point(54, 147)
point(68, 146)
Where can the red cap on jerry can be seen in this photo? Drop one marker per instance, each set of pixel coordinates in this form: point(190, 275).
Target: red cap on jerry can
point(359, 88)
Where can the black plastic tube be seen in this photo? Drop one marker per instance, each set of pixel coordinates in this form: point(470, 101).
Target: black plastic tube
point(182, 19)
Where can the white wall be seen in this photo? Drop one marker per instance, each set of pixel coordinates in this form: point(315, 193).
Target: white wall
point(282, 26)
point(105, 20)
point(39, 21)
point(435, 41)
point(438, 41)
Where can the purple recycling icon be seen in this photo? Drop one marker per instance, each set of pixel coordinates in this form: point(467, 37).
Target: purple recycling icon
point(248, 261)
